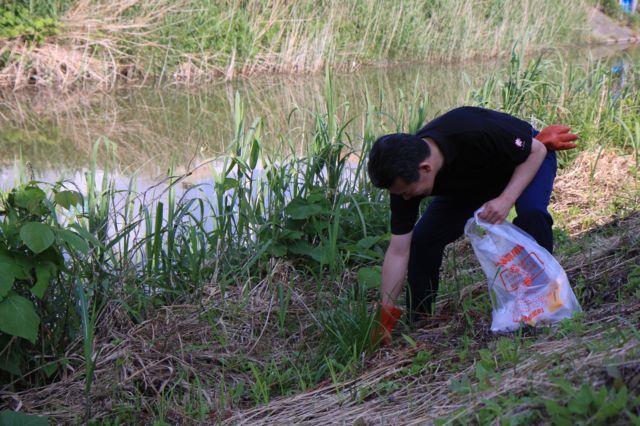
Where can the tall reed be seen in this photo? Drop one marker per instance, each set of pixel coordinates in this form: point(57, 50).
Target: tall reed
point(198, 40)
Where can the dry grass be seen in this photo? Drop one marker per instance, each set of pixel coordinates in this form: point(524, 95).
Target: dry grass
point(596, 188)
point(179, 346)
point(103, 41)
point(425, 397)
point(90, 49)
point(182, 349)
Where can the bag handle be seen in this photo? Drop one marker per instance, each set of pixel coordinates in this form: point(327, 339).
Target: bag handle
point(479, 221)
point(487, 226)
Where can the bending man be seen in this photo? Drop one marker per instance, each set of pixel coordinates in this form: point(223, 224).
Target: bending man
point(466, 159)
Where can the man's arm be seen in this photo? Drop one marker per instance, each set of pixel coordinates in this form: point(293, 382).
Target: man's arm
point(496, 210)
point(394, 267)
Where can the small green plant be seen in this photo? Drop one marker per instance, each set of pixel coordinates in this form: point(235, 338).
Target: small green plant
point(486, 368)
point(633, 281)
point(16, 21)
point(347, 323)
point(593, 405)
point(420, 362)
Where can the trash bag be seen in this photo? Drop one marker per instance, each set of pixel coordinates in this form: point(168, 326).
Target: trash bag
point(527, 285)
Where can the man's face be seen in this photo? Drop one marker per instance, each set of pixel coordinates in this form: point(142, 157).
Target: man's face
point(422, 187)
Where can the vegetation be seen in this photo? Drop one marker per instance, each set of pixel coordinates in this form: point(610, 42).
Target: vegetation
point(191, 41)
point(613, 9)
point(17, 21)
point(124, 307)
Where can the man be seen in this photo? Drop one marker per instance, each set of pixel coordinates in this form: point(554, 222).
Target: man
point(466, 159)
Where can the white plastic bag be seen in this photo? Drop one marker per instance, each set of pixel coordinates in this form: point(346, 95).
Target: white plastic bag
point(526, 283)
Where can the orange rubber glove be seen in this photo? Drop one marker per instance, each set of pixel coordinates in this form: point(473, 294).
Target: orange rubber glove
point(557, 137)
point(388, 316)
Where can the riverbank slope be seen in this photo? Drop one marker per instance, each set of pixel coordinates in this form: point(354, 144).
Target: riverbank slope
point(194, 41)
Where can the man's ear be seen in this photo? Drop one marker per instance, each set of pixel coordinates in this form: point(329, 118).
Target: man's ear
point(425, 166)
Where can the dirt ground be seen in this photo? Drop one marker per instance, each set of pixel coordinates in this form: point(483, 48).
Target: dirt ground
point(606, 30)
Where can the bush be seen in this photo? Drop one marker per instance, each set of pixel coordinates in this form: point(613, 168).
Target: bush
point(38, 309)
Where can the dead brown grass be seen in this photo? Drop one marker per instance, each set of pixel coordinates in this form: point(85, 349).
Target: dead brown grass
point(184, 348)
point(91, 48)
point(594, 189)
point(180, 347)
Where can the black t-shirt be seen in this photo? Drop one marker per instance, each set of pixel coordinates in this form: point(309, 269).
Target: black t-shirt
point(481, 150)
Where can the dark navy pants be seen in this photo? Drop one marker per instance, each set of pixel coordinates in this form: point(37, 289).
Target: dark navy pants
point(443, 222)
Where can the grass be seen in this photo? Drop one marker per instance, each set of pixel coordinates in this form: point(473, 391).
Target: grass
point(193, 41)
point(250, 299)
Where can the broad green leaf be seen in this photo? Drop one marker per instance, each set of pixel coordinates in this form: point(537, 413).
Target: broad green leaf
point(299, 209)
point(255, 152)
point(229, 183)
point(291, 234)
point(5, 256)
point(50, 369)
point(278, 250)
point(369, 277)
point(306, 249)
point(44, 272)
point(86, 235)
point(73, 240)
point(25, 265)
point(368, 242)
point(16, 418)
point(18, 317)
point(8, 272)
point(30, 198)
point(67, 199)
point(10, 362)
point(319, 226)
point(317, 196)
point(37, 236)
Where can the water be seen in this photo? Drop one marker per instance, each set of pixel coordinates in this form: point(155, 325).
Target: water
point(155, 129)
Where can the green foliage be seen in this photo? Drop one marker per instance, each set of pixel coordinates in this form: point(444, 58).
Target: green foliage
point(633, 281)
point(421, 362)
point(310, 221)
point(347, 323)
point(33, 248)
point(596, 406)
point(611, 8)
point(17, 21)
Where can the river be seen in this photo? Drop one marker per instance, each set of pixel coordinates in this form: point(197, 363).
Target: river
point(50, 136)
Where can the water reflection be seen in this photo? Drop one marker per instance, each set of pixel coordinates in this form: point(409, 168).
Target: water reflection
point(155, 128)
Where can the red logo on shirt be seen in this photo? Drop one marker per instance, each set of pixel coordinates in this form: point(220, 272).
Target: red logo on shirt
point(519, 143)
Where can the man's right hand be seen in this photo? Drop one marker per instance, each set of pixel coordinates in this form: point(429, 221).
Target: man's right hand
point(557, 137)
point(388, 316)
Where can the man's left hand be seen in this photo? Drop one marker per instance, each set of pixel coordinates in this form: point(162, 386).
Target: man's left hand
point(557, 137)
point(495, 211)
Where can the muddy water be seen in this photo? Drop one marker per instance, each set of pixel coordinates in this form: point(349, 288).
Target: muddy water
point(154, 129)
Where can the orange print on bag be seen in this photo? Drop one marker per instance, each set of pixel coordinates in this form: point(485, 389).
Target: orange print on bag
point(520, 267)
point(510, 256)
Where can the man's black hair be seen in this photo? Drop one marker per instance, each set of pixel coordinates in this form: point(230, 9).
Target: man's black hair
point(397, 155)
